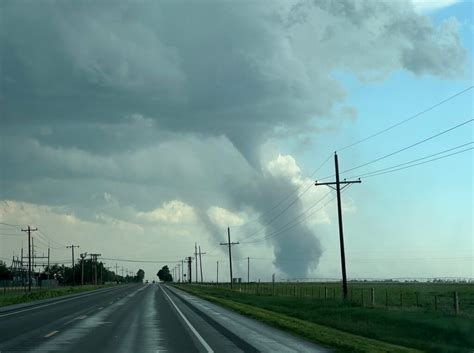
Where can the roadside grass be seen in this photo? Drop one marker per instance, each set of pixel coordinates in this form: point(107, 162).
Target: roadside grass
point(11, 298)
point(350, 327)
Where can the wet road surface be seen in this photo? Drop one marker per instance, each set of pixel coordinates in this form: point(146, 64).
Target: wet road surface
point(139, 318)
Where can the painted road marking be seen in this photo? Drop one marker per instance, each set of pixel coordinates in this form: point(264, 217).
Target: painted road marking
point(52, 333)
point(204, 343)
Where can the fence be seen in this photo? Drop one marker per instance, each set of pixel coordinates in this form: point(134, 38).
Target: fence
point(441, 297)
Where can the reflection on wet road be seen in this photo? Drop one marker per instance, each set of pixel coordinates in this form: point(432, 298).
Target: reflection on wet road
point(138, 318)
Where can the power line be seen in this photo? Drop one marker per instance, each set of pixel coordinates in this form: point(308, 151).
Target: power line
point(414, 160)
point(407, 147)
point(289, 225)
point(287, 196)
point(407, 119)
point(141, 261)
point(416, 164)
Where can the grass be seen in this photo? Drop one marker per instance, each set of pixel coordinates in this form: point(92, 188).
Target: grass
point(10, 298)
point(370, 329)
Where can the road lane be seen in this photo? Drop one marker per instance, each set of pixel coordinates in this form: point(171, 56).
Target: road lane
point(143, 319)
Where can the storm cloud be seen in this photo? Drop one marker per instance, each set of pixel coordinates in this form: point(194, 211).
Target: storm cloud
point(157, 101)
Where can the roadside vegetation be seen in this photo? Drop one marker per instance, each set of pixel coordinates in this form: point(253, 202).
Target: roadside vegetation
point(357, 325)
point(18, 296)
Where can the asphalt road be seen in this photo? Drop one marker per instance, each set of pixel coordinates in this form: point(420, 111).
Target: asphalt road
point(139, 318)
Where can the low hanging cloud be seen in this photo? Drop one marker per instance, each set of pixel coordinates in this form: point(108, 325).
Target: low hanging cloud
point(158, 101)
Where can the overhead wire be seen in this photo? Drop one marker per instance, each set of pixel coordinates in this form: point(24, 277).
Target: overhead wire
point(404, 148)
point(413, 160)
point(407, 119)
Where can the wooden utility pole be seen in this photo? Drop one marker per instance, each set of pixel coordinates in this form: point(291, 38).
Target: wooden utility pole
point(195, 257)
point(229, 244)
point(248, 269)
point(217, 273)
point(94, 264)
point(73, 262)
point(200, 260)
point(338, 184)
point(29, 230)
point(83, 256)
point(189, 269)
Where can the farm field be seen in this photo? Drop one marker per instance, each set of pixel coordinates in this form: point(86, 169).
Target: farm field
point(421, 316)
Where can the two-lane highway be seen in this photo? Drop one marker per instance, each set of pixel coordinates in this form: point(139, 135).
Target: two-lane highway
point(139, 318)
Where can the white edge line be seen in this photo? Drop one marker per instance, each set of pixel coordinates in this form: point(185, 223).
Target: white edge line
point(199, 337)
point(53, 303)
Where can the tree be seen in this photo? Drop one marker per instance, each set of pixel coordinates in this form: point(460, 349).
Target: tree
point(4, 271)
point(164, 274)
point(140, 275)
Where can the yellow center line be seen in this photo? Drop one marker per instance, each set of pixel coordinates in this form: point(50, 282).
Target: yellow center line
point(51, 334)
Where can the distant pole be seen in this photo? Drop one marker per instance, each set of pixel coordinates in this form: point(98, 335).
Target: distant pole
point(229, 244)
point(49, 268)
point(200, 260)
point(73, 268)
point(217, 273)
point(82, 256)
point(182, 270)
point(195, 256)
point(248, 269)
point(339, 213)
point(189, 270)
point(29, 230)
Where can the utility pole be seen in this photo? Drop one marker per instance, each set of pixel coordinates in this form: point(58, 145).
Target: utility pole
point(29, 230)
point(189, 269)
point(200, 260)
point(73, 269)
point(338, 184)
point(248, 269)
point(195, 257)
point(83, 256)
point(217, 273)
point(229, 244)
point(49, 268)
point(94, 264)
point(182, 270)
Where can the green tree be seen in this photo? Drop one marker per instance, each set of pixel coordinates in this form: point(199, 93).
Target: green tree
point(4, 271)
point(165, 275)
point(140, 275)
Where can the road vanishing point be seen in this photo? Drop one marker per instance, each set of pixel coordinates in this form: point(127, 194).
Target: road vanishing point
point(150, 318)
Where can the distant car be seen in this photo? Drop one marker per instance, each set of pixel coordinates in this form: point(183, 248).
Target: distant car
point(146, 281)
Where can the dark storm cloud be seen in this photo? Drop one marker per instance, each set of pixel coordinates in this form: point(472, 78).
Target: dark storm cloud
point(147, 99)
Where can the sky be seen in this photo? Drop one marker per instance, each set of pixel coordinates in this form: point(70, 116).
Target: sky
point(139, 130)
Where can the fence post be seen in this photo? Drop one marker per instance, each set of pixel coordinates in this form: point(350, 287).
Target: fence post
point(372, 296)
point(456, 303)
point(401, 299)
point(362, 296)
point(436, 302)
point(417, 300)
point(386, 298)
point(325, 293)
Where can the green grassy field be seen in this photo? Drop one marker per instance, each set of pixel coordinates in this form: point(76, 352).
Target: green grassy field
point(20, 296)
point(408, 325)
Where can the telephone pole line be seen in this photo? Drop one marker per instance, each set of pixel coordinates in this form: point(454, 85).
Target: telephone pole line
point(229, 244)
point(195, 257)
point(29, 230)
point(200, 260)
point(189, 269)
point(82, 256)
point(338, 184)
point(94, 264)
point(217, 273)
point(248, 269)
point(73, 269)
